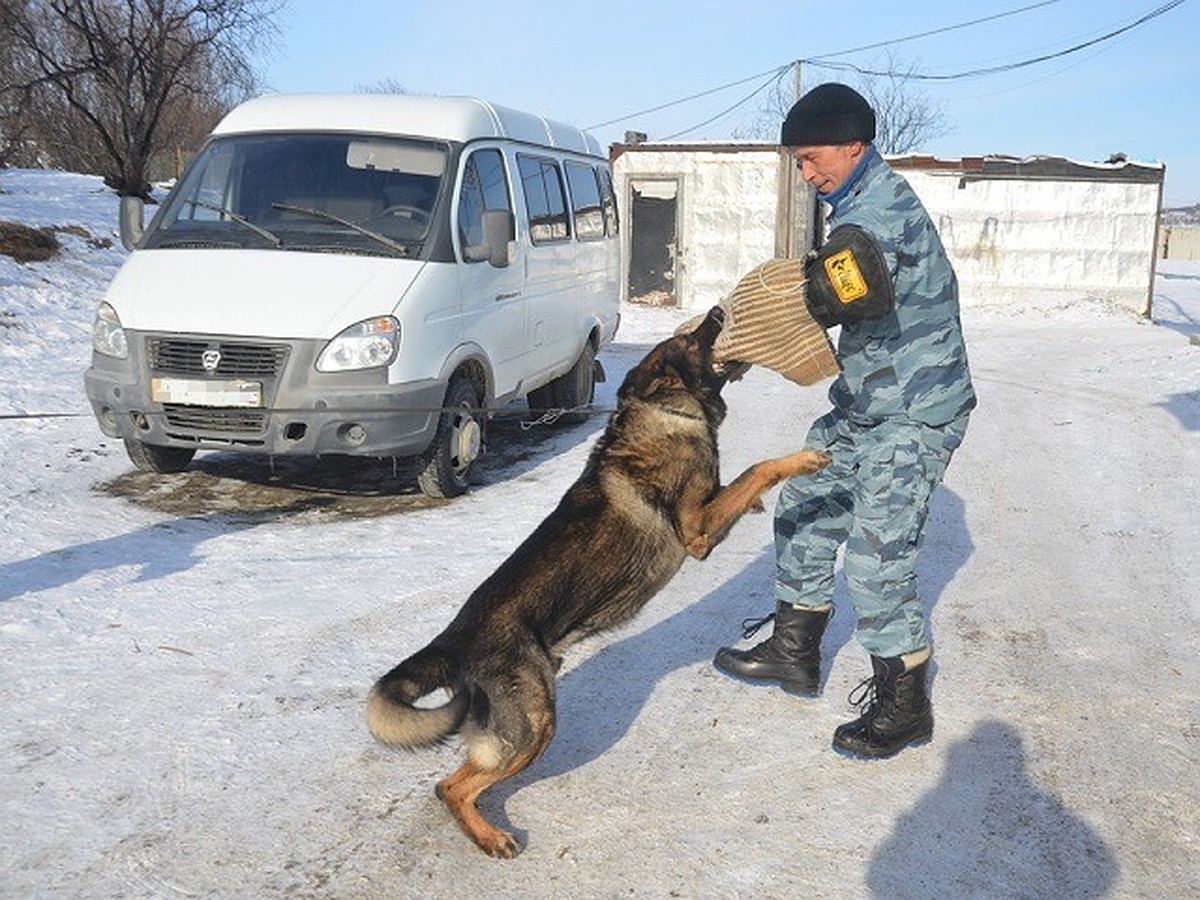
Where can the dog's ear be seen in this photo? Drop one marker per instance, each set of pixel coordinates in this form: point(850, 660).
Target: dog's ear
point(666, 381)
point(652, 374)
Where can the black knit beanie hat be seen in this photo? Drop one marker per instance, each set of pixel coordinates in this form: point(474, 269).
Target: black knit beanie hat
point(828, 114)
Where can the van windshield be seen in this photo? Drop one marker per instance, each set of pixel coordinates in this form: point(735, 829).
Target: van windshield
point(312, 192)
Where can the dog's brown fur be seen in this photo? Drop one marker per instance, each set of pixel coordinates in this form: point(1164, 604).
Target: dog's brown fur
point(649, 496)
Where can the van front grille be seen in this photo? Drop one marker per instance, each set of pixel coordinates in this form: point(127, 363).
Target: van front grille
point(178, 356)
point(214, 421)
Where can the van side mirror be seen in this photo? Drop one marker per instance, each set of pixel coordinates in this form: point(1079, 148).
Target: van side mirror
point(132, 221)
point(499, 227)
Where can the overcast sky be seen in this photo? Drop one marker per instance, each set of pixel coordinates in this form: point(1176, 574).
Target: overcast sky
point(590, 64)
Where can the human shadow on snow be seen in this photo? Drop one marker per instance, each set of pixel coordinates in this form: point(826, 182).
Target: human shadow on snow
point(600, 699)
point(986, 829)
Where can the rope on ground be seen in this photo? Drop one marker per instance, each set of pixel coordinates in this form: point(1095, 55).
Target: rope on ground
point(546, 416)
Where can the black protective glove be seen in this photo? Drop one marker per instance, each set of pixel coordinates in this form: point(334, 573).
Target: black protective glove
point(848, 279)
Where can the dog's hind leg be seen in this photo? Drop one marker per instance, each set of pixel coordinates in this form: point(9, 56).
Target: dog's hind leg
point(707, 525)
point(521, 718)
point(460, 791)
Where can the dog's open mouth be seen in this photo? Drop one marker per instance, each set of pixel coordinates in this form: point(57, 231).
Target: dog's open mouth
point(725, 369)
point(707, 329)
point(730, 370)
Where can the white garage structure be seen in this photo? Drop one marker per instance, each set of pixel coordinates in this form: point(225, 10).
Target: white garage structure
point(1045, 229)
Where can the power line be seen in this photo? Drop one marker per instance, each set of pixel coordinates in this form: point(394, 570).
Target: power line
point(1007, 67)
point(774, 72)
point(818, 62)
point(682, 100)
point(779, 73)
point(924, 34)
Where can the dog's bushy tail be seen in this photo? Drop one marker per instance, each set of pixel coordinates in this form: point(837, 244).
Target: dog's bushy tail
point(392, 714)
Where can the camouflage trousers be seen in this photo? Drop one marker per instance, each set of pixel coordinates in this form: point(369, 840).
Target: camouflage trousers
point(873, 498)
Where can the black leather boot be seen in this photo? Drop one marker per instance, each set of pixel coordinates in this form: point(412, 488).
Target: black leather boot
point(791, 656)
point(895, 711)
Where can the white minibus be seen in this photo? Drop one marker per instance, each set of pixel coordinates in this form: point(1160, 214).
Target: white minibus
point(364, 274)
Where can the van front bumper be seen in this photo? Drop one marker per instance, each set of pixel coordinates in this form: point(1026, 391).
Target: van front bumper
point(301, 412)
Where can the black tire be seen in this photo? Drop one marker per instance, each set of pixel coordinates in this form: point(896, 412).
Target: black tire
point(575, 390)
point(153, 458)
point(450, 459)
point(541, 399)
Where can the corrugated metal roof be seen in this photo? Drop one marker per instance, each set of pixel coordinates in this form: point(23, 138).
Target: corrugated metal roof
point(1031, 168)
point(1034, 168)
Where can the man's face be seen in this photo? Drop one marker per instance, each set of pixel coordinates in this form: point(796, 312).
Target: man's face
point(825, 167)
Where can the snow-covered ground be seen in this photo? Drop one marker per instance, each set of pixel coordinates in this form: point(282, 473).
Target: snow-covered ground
point(183, 660)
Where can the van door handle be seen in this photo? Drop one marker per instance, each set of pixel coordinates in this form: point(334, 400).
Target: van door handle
point(507, 296)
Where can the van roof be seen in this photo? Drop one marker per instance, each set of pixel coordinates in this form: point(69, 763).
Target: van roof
point(445, 118)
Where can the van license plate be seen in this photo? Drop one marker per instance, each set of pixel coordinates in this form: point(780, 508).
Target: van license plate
point(206, 393)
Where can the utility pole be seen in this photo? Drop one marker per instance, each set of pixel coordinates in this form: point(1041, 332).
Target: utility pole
point(796, 206)
point(806, 227)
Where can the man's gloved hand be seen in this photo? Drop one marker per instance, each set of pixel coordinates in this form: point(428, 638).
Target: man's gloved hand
point(848, 279)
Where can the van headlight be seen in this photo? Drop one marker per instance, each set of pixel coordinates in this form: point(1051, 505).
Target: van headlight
point(366, 345)
point(108, 337)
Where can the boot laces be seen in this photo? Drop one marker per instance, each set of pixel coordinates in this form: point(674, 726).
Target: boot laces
point(751, 626)
point(866, 697)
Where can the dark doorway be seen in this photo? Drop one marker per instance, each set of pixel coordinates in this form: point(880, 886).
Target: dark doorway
point(653, 206)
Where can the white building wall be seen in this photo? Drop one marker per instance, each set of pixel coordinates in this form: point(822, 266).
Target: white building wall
point(1044, 242)
point(731, 207)
point(1011, 240)
point(727, 214)
point(1179, 242)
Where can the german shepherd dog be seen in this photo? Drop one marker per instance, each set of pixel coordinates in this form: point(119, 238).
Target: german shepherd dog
point(649, 496)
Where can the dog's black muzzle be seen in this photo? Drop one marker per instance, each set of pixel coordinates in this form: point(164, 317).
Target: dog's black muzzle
point(707, 332)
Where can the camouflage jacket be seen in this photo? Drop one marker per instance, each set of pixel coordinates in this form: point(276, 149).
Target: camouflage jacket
point(912, 362)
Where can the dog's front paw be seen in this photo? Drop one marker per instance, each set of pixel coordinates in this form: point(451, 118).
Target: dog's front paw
point(699, 546)
point(806, 462)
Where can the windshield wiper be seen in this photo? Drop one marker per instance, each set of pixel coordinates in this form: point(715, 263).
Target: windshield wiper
point(353, 226)
point(239, 218)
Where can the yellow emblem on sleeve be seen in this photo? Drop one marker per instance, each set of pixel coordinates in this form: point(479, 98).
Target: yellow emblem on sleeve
point(845, 276)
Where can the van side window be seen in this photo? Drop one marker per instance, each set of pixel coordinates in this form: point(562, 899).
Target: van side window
point(544, 199)
point(608, 197)
point(484, 187)
point(585, 201)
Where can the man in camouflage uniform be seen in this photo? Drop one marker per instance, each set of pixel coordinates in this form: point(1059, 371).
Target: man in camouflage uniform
point(900, 409)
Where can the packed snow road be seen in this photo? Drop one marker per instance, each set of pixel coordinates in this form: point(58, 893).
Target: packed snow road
point(184, 659)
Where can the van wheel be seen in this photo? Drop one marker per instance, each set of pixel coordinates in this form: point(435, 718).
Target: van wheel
point(574, 390)
point(153, 458)
point(457, 444)
point(541, 399)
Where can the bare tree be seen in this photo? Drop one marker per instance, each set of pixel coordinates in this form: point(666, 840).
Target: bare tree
point(905, 117)
point(385, 85)
point(104, 85)
point(769, 116)
point(13, 133)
